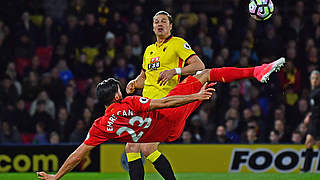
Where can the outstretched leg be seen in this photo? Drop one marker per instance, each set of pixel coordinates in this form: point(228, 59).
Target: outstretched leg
point(193, 84)
point(229, 74)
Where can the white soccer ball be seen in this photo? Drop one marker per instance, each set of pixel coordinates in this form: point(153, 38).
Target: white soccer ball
point(261, 9)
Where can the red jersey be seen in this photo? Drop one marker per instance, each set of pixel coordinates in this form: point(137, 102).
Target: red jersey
point(128, 121)
point(131, 121)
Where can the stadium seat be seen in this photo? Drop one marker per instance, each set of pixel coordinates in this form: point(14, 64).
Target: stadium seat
point(21, 64)
point(44, 54)
point(82, 85)
point(27, 138)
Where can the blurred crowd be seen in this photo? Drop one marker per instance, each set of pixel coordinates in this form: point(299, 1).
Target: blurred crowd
point(54, 52)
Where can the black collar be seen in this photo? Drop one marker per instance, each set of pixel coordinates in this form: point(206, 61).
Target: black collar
point(166, 40)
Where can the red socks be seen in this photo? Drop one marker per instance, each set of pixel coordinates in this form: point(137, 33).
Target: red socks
point(229, 74)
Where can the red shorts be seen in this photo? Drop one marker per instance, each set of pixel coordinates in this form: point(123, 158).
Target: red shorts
point(177, 116)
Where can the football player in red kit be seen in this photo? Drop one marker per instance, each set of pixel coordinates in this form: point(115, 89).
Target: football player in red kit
point(139, 119)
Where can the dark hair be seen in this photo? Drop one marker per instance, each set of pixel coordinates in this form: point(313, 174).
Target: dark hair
point(106, 90)
point(164, 13)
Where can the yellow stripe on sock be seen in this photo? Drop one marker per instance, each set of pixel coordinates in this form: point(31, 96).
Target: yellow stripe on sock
point(154, 156)
point(133, 156)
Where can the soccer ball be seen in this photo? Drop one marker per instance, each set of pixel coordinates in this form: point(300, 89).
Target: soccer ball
point(261, 9)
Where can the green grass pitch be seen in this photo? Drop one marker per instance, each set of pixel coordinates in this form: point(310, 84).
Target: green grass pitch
point(180, 176)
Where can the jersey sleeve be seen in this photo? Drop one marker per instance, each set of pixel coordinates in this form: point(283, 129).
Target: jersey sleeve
point(138, 103)
point(183, 49)
point(95, 137)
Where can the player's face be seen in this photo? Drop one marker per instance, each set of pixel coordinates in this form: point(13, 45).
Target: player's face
point(315, 80)
point(161, 26)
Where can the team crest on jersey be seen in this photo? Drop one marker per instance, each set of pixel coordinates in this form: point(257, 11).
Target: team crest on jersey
point(154, 63)
point(187, 46)
point(143, 100)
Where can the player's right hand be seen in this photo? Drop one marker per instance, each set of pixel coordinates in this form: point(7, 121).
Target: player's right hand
point(43, 175)
point(206, 92)
point(131, 87)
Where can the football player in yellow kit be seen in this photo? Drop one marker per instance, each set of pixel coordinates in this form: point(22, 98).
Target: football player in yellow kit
point(163, 64)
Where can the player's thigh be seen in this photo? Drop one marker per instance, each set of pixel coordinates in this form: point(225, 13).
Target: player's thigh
point(132, 147)
point(148, 148)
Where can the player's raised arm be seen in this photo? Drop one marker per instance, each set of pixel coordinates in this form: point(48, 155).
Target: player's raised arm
point(179, 100)
point(137, 83)
point(71, 162)
point(194, 64)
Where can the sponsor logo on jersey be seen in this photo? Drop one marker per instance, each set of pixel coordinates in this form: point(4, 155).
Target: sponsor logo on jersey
point(155, 59)
point(154, 63)
point(143, 100)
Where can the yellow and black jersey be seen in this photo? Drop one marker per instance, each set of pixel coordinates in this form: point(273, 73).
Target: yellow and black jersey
point(174, 52)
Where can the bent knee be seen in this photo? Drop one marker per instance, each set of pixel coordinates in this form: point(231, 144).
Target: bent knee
point(132, 147)
point(149, 148)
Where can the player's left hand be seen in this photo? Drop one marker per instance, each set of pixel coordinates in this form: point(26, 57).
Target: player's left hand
point(165, 76)
point(43, 175)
